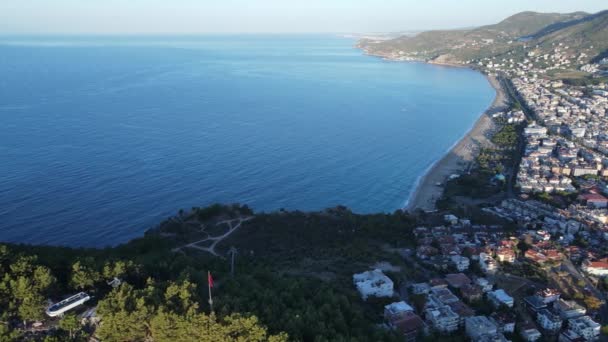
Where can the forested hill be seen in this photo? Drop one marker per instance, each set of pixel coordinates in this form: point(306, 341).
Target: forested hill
point(292, 279)
point(577, 31)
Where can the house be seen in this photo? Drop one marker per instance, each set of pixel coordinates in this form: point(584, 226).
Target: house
point(471, 293)
point(396, 310)
point(568, 309)
point(479, 326)
point(450, 219)
point(443, 295)
point(409, 326)
point(426, 252)
point(485, 285)
point(500, 297)
point(505, 321)
point(535, 304)
point(585, 327)
point(421, 288)
point(570, 336)
point(462, 310)
point(487, 264)
point(554, 255)
point(548, 295)
point(548, 320)
point(442, 318)
point(401, 317)
point(461, 263)
point(542, 235)
point(373, 283)
point(505, 254)
point(597, 268)
point(457, 280)
point(535, 256)
point(438, 283)
point(594, 200)
point(529, 333)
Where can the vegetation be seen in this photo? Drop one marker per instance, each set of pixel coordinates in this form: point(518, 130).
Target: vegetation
point(507, 137)
point(171, 313)
point(507, 39)
point(293, 280)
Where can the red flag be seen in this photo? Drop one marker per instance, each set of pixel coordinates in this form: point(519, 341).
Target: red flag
point(209, 279)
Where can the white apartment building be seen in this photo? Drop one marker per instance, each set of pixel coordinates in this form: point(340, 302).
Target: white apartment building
point(373, 283)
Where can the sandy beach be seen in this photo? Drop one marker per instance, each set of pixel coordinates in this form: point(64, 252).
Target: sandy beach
point(460, 157)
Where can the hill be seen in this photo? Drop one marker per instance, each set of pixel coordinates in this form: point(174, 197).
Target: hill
point(576, 32)
point(589, 34)
point(293, 275)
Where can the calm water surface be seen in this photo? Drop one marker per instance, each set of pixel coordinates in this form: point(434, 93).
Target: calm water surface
point(101, 138)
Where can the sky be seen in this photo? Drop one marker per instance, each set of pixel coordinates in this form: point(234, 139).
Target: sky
point(264, 16)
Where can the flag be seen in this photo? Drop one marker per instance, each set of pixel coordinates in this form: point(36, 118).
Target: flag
point(209, 279)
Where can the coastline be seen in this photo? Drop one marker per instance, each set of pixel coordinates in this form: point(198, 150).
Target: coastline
point(458, 158)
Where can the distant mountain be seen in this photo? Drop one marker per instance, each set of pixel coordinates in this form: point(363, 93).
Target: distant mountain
point(543, 31)
point(590, 33)
point(528, 23)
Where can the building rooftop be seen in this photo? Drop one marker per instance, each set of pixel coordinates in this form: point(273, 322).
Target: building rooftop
point(457, 280)
point(398, 307)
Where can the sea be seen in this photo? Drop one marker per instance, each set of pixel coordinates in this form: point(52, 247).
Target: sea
point(103, 137)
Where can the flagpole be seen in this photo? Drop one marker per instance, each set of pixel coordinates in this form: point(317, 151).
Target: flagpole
point(209, 286)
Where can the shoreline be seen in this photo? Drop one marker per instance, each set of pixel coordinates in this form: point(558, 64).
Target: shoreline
point(457, 159)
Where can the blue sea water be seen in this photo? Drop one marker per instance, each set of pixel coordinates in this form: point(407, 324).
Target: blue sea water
point(103, 137)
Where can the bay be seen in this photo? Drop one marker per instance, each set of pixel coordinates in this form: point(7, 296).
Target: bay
point(103, 137)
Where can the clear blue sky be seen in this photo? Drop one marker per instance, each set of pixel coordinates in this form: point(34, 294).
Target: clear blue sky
point(251, 16)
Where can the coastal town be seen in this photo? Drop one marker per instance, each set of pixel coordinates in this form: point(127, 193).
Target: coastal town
point(504, 239)
point(486, 284)
point(541, 274)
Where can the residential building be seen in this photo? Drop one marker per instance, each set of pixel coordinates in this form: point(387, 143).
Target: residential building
point(457, 280)
point(421, 288)
point(461, 263)
point(548, 295)
point(596, 268)
point(401, 317)
point(505, 321)
point(585, 327)
point(485, 285)
point(373, 283)
point(570, 336)
point(535, 304)
point(462, 310)
point(479, 326)
point(442, 318)
point(568, 309)
point(548, 320)
point(471, 293)
point(505, 254)
point(396, 310)
point(500, 297)
point(409, 326)
point(443, 296)
point(530, 334)
point(594, 200)
point(487, 263)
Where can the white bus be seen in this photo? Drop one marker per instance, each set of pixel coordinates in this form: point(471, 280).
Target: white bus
point(67, 304)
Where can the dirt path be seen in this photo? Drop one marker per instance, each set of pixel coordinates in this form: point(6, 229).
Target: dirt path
point(216, 239)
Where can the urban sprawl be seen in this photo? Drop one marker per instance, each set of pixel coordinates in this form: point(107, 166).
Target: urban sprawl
point(547, 278)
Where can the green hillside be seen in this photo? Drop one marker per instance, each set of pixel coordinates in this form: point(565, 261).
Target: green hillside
point(540, 32)
point(590, 35)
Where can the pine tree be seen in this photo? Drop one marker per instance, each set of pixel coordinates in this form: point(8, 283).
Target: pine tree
point(70, 323)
